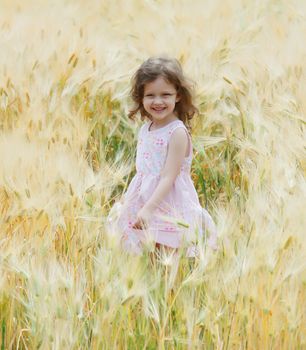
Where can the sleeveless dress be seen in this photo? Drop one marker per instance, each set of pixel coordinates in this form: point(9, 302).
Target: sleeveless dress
point(179, 215)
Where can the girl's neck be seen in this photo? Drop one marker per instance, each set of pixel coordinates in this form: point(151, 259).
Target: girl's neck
point(156, 124)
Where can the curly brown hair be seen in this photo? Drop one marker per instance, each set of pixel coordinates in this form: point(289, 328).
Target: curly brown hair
point(170, 69)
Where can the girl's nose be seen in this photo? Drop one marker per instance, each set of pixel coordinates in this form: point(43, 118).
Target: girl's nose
point(157, 99)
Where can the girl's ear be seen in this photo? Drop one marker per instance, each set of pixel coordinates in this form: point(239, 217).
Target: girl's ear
point(178, 98)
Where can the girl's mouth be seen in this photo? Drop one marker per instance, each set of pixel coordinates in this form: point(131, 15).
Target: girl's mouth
point(158, 109)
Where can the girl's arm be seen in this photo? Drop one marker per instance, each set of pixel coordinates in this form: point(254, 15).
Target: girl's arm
point(176, 153)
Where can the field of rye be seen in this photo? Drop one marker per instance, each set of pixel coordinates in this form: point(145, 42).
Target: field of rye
point(67, 153)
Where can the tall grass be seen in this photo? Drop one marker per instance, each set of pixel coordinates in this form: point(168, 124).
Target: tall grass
point(67, 154)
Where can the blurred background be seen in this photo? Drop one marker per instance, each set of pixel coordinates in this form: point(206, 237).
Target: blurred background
point(67, 152)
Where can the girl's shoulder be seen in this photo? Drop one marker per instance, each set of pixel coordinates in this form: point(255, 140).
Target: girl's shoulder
point(179, 125)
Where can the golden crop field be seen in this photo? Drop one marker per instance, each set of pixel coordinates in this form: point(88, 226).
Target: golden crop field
point(67, 151)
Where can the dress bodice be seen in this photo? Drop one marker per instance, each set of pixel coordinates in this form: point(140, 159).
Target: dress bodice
point(152, 148)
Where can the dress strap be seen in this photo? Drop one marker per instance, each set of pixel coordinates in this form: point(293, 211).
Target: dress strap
point(141, 129)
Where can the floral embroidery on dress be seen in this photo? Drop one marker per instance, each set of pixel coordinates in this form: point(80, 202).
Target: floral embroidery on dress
point(146, 155)
point(159, 142)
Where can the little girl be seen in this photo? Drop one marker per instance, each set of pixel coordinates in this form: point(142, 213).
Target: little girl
point(161, 203)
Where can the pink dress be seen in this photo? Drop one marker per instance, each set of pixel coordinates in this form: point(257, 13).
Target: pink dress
point(179, 216)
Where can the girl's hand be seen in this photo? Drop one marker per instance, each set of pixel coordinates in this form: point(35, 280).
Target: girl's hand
point(143, 218)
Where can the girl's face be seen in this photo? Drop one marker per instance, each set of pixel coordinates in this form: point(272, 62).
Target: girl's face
point(159, 99)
